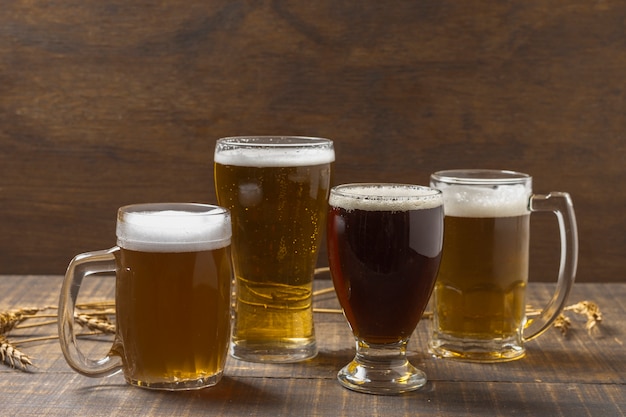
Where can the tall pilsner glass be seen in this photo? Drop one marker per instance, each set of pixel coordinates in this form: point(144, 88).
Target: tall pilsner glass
point(277, 191)
point(384, 247)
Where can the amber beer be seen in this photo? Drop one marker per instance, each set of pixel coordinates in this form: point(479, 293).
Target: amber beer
point(481, 286)
point(277, 191)
point(172, 297)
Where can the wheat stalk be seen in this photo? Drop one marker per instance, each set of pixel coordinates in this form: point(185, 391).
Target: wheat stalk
point(588, 309)
point(106, 305)
point(12, 355)
point(11, 318)
point(562, 323)
point(97, 323)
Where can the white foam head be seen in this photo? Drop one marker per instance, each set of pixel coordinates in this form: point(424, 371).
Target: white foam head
point(274, 151)
point(174, 228)
point(485, 201)
point(483, 192)
point(384, 197)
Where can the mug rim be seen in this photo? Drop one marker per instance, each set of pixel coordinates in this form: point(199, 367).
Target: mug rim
point(480, 176)
point(186, 209)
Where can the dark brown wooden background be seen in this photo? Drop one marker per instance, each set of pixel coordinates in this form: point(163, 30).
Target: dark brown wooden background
point(110, 102)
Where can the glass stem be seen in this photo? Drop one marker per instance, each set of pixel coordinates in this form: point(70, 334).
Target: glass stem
point(387, 356)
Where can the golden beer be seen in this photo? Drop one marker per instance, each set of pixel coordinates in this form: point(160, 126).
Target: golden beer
point(172, 298)
point(277, 191)
point(481, 286)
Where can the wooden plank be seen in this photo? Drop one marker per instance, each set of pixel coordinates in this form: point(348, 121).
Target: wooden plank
point(551, 358)
point(573, 376)
point(72, 395)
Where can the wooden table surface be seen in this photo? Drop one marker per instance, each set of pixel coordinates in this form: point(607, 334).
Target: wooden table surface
point(573, 375)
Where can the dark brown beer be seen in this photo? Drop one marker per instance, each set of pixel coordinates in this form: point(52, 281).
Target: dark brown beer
point(384, 261)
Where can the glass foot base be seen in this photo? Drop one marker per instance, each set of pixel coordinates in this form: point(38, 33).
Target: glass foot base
point(361, 378)
point(382, 370)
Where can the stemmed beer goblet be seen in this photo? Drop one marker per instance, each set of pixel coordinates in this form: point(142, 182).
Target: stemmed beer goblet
point(384, 248)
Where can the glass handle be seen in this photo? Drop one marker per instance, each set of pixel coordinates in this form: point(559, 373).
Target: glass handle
point(81, 266)
point(561, 205)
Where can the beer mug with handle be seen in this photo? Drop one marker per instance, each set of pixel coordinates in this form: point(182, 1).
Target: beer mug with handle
point(172, 297)
point(479, 301)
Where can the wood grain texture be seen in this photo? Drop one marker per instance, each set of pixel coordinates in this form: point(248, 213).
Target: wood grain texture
point(109, 103)
point(570, 376)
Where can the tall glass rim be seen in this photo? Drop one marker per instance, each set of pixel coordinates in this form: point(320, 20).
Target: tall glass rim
point(480, 177)
point(273, 151)
point(267, 141)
